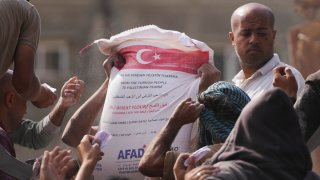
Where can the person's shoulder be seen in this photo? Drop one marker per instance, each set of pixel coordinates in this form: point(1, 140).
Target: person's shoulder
point(314, 76)
point(299, 78)
point(287, 65)
point(18, 7)
point(313, 81)
point(295, 71)
point(17, 3)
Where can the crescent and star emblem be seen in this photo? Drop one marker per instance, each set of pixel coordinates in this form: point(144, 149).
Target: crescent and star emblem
point(141, 61)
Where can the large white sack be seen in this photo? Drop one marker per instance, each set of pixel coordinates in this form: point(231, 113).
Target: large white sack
point(160, 71)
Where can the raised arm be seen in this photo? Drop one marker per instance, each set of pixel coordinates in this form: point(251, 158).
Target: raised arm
point(38, 134)
point(26, 82)
point(70, 94)
point(81, 121)
point(152, 161)
point(88, 154)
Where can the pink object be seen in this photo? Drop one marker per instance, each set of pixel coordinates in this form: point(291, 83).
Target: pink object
point(104, 138)
point(198, 154)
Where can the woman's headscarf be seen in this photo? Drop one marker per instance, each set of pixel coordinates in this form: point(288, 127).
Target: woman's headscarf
point(223, 104)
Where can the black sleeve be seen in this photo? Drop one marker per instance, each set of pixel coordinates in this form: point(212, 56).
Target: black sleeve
point(307, 108)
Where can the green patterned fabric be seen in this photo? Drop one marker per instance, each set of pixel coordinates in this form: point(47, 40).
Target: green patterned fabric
point(223, 104)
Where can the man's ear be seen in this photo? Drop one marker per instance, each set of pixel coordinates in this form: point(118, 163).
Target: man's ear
point(231, 37)
point(10, 98)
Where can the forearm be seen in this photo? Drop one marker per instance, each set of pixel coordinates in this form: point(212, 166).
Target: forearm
point(35, 135)
point(58, 112)
point(82, 120)
point(152, 162)
point(24, 79)
point(29, 89)
point(73, 169)
point(85, 170)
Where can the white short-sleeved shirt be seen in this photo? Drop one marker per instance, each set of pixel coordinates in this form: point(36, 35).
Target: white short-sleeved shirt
point(261, 80)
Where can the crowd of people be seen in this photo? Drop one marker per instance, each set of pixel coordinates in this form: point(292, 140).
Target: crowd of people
point(256, 127)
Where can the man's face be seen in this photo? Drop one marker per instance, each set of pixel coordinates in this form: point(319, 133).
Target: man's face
point(252, 37)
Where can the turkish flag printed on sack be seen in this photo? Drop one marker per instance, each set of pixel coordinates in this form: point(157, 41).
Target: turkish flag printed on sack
point(150, 57)
point(160, 72)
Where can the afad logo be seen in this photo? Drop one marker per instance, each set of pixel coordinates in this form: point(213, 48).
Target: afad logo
point(131, 153)
point(136, 153)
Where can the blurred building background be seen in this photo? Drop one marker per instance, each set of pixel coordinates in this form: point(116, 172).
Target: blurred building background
point(70, 25)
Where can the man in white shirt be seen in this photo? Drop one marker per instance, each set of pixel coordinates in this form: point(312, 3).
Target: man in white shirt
point(252, 35)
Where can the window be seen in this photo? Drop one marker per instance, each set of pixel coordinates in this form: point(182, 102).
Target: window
point(52, 60)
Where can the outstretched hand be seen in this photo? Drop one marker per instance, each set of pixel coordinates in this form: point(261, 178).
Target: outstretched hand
point(71, 91)
point(55, 164)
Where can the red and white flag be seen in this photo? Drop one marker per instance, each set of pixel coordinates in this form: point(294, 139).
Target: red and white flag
point(151, 57)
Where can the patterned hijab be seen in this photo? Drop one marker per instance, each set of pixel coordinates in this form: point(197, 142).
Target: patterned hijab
point(223, 104)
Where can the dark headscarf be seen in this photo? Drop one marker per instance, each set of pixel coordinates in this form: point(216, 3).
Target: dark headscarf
point(307, 105)
point(223, 104)
point(266, 143)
